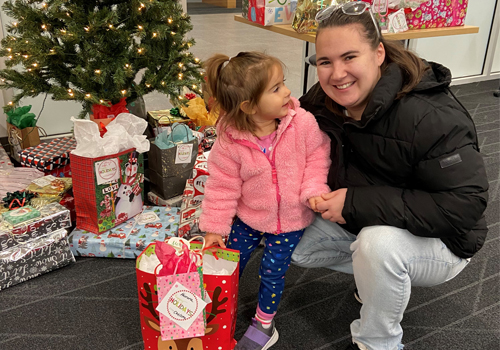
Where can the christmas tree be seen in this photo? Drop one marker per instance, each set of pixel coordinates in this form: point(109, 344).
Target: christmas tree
point(98, 51)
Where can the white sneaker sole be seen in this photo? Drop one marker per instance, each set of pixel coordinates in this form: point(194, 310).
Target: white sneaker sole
point(272, 340)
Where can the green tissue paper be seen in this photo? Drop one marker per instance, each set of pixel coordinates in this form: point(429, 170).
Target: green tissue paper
point(21, 117)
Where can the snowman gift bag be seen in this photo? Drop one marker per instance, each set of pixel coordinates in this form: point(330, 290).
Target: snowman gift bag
point(108, 190)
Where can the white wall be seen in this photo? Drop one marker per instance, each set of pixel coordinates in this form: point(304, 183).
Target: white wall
point(55, 117)
point(463, 54)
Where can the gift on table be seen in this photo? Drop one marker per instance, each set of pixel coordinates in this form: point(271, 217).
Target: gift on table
point(48, 156)
point(127, 240)
point(268, 12)
point(52, 217)
point(438, 13)
point(33, 258)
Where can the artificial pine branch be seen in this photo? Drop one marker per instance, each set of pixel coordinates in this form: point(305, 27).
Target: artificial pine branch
point(98, 51)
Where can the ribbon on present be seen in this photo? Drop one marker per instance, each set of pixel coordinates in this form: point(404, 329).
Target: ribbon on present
point(17, 199)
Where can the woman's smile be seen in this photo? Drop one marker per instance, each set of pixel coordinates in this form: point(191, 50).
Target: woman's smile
point(344, 86)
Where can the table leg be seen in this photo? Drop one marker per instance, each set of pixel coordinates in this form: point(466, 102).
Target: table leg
point(307, 80)
point(305, 67)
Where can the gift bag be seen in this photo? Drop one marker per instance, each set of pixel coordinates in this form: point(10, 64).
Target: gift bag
point(107, 190)
point(20, 139)
point(221, 293)
point(180, 292)
point(268, 12)
point(169, 168)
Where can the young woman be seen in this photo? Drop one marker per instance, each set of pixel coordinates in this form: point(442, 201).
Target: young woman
point(409, 184)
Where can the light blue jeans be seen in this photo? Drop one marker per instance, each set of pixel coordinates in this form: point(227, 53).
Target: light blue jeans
point(386, 261)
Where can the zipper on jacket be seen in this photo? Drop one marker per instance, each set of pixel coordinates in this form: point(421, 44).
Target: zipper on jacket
point(275, 181)
point(274, 173)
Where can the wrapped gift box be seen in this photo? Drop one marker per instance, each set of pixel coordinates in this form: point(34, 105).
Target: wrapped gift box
point(5, 162)
point(162, 119)
point(48, 156)
point(157, 200)
point(64, 171)
point(17, 179)
point(438, 13)
point(53, 217)
point(128, 240)
point(193, 195)
point(34, 258)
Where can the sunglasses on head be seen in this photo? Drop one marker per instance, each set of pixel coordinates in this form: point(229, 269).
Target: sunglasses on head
point(354, 8)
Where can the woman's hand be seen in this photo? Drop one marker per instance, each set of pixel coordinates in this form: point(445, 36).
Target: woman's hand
point(213, 239)
point(333, 205)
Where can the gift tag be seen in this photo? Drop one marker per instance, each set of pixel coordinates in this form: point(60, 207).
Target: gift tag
point(146, 218)
point(44, 181)
point(181, 306)
point(107, 171)
point(178, 243)
point(183, 154)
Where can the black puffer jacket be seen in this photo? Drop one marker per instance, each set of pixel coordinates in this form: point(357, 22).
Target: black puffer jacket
point(412, 163)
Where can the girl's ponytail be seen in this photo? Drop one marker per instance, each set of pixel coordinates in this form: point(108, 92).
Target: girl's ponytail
point(213, 68)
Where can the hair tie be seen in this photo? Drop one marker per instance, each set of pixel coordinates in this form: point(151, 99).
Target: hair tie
point(226, 63)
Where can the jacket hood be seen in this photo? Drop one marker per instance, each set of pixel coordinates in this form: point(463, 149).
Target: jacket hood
point(438, 76)
point(284, 122)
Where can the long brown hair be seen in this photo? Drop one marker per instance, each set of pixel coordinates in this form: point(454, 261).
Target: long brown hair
point(232, 81)
point(411, 65)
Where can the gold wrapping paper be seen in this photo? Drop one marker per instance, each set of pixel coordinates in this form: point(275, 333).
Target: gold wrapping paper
point(303, 21)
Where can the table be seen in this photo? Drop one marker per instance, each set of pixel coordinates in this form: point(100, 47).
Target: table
point(309, 38)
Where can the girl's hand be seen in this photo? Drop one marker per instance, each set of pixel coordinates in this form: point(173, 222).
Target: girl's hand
point(333, 205)
point(213, 239)
point(314, 201)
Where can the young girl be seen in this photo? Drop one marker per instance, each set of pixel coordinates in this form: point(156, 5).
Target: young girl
point(268, 168)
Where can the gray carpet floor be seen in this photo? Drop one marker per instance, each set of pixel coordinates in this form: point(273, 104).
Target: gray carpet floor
point(93, 303)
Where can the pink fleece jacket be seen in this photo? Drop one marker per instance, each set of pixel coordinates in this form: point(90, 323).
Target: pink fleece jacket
point(270, 195)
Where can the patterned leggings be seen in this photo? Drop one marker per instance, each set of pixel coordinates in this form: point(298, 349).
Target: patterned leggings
point(275, 260)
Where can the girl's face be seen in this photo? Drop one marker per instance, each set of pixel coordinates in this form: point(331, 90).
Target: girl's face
point(274, 102)
point(348, 68)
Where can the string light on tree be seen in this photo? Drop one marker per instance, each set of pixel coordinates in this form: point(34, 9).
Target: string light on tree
point(80, 51)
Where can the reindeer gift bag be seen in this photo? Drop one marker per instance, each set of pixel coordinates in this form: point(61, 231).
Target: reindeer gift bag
point(108, 190)
point(220, 283)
